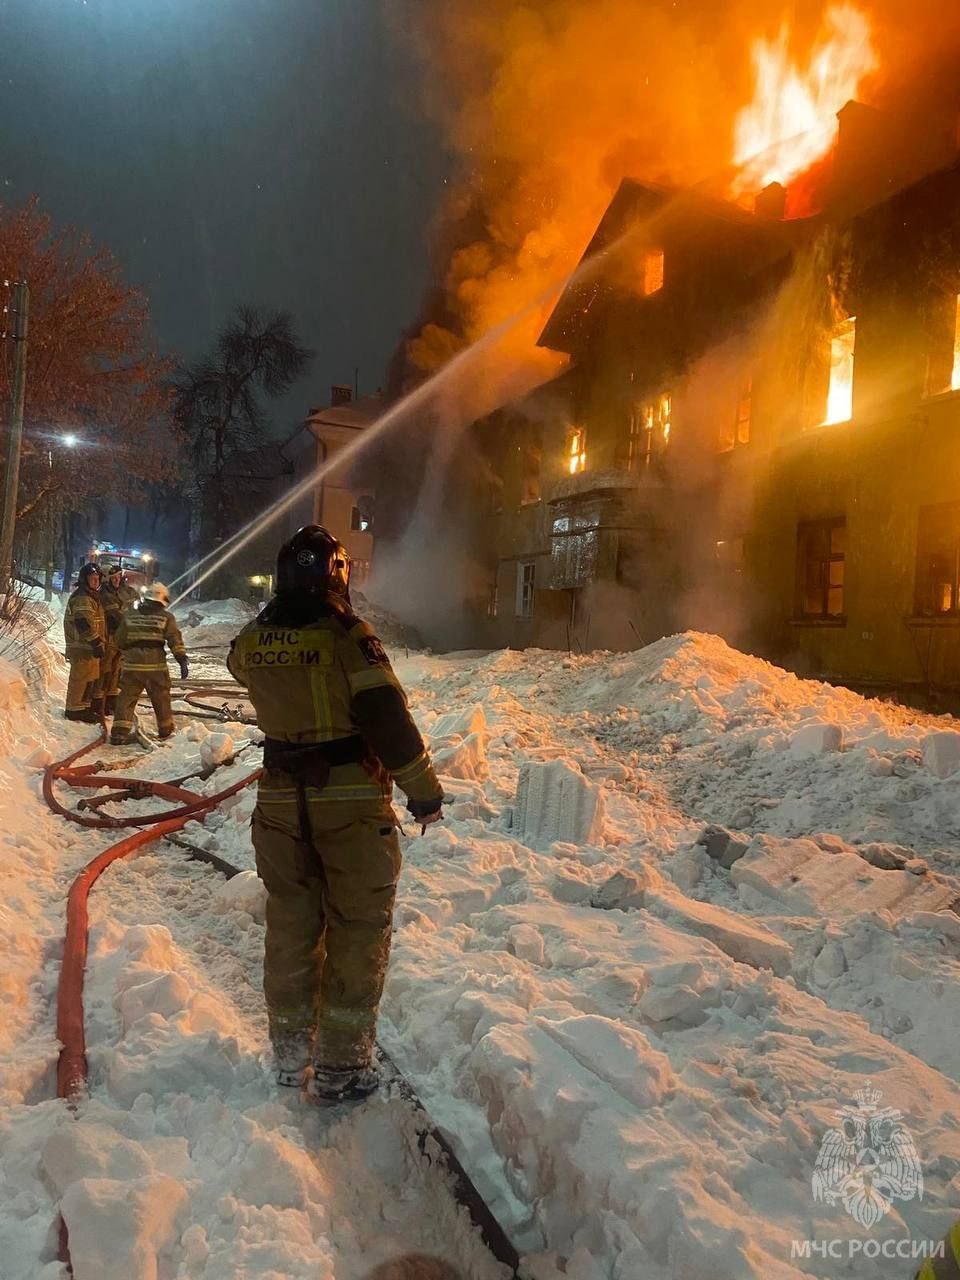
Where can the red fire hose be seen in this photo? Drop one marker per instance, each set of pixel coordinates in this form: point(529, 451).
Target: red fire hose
point(72, 1065)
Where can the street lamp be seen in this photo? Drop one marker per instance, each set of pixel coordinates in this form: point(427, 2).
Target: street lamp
point(70, 440)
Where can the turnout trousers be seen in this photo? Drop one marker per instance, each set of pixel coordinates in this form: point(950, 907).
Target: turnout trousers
point(132, 684)
point(110, 672)
point(330, 868)
point(83, 683)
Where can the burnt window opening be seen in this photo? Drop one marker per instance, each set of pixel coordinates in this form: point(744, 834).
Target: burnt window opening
point(526, 580)
point(576, 450)
point(736, 431)
point(843, 343)
point(531, 461)
point(821, 569)
point(574, 540)
point(648, 432)
point(652, 271)
point(937, 586)
point(943, 344)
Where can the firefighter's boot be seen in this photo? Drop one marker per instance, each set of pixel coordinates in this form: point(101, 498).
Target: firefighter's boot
point(291, 1056)
point(330, 1085)
point(87, 716)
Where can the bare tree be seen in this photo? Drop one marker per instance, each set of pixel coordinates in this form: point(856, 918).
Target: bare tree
point(217, 402)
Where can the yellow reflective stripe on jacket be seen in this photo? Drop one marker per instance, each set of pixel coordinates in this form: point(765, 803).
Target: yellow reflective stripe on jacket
point(412, 770)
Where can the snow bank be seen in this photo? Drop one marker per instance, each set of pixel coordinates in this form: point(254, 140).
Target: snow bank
point(682, 908)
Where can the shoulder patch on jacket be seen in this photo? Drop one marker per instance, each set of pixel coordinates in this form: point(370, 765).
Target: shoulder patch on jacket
point(372, 650)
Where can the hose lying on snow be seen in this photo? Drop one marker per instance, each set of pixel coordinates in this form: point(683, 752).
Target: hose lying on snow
point(72, 1066)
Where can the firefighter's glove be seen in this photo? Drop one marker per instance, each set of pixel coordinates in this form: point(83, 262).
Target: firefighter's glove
point(96, 647)
point(184, 668)
point(425, 811)
point(113, 621)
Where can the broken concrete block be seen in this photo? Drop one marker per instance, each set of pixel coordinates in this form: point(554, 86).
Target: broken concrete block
point(941, 753)
point(815, 739)
point(556, 803)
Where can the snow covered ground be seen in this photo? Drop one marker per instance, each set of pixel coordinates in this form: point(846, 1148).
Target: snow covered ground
point(684, 908)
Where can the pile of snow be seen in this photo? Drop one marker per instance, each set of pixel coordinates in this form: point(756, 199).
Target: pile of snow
point(395, 634)
point(682, 910)
point(212, 624)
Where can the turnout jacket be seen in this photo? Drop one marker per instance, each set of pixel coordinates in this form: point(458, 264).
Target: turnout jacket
point(317, 674)
point(83, 622)
point(142, 634)
point(114, 602)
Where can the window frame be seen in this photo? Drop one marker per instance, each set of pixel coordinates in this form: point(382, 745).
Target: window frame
point(825, 559)
point(525, 589)
point(576, 452)
point(575, 547)
point(924, 580)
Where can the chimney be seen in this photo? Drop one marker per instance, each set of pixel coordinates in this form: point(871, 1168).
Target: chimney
point(340, 395)
point(771, 202)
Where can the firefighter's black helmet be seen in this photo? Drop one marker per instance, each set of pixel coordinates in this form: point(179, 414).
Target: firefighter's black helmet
point(313, 561)
point(86, 572)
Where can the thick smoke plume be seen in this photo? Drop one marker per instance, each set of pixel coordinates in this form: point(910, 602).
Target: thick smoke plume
point(549, 104)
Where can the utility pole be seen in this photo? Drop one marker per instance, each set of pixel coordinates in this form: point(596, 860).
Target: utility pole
point(17, 330)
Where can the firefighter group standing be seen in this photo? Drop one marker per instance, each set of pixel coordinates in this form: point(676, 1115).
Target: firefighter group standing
point(116, 650)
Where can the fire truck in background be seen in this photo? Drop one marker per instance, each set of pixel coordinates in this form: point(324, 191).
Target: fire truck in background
point(140, 567)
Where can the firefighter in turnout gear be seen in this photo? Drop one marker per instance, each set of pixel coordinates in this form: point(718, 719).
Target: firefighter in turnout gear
point(84, 630)
point(338, 735)
point(115, 596)
point(143, 633)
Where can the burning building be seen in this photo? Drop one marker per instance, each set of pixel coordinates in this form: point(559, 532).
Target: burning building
point(758, 430)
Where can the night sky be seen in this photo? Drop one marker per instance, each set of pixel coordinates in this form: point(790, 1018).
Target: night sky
point(265, 151)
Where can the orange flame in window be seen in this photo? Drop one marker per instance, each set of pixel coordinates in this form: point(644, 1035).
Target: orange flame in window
point(791, 122)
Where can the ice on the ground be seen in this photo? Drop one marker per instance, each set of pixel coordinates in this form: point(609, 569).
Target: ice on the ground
point(555, 803)
point(244, 892)
point(814, 739)
point(941, 752)
point(215, 748)
point(123, 1229)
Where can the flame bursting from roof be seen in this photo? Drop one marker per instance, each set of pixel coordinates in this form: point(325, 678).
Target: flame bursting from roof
point(791, 122)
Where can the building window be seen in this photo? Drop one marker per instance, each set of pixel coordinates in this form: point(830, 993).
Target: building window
point(649, 432)
point(821, 559)
point(354, 519)
point(840, 389)
point(576, 450)
point(573, 545)
point(736, 431)
point(526, 575)
point(938, 560)
point(530, 460)
point(359, 572)
point(943, 356)
point(652, 271)
point(492, 599)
